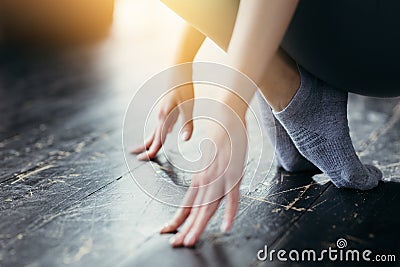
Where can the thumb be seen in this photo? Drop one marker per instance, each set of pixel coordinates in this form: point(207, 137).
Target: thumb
point(187, 129)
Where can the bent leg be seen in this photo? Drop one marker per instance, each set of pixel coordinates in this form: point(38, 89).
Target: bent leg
point(288, 156)
point(315, 118)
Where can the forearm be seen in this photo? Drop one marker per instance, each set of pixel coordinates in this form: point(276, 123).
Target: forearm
point(186, 51)
point(259, 30)
point(189, 45)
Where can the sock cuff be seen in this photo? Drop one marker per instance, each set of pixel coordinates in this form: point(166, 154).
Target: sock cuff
point(302, 94)
point(266, 111)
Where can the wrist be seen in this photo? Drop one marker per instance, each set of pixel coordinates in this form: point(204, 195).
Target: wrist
point(181, 76)
point(237, 104)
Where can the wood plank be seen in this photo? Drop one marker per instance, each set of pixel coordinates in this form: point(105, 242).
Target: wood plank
point(120, 223)
point(264, 217)
point(366, 220)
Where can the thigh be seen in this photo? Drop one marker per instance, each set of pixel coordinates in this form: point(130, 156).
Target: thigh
point(353, 45)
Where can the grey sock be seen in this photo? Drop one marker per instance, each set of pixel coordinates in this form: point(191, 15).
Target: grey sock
point(316, 121)
point(287, 154)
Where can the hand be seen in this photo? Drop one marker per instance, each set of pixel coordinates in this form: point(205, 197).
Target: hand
point(220, 179)
point(177, 102)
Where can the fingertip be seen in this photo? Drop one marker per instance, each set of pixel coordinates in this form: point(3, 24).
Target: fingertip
point(172, 241)
point(190, 240)
point(164, 229)
point(167, 228)
point(136, 150)
point(176, 240)
point(187, 131)
point(143, 157)
point(226, 226)
point(185, 136)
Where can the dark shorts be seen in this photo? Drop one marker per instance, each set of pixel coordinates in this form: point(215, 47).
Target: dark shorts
point(353, 45)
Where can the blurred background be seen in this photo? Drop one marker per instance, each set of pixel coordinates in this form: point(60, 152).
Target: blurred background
point(46, 22)
point(56, 54)
point(144, 26)
point(118, 36)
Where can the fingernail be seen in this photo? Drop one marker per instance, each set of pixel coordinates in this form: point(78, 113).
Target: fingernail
point(142, 156)
point(164, 228)
point(189, 239)
point(172, 240)
point(185, 136)
point(224, 227)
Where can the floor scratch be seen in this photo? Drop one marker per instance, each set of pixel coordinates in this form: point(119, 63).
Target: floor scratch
point(286, 207)
point(375, 135)
point(23, 176)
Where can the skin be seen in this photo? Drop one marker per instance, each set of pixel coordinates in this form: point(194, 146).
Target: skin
point(254, 50)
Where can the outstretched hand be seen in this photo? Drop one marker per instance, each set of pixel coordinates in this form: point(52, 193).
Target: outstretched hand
point(177, 102)
point(220, 179)
point(223, 156)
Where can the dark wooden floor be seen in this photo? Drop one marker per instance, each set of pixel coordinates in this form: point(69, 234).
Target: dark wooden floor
point(67, 197)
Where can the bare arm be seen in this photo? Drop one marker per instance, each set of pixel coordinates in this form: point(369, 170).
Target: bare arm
point(259, 30)
point(190, 44)
point(260, 27)
point(187, 49)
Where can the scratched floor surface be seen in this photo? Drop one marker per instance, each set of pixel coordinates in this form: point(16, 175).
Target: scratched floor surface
point(67, 197)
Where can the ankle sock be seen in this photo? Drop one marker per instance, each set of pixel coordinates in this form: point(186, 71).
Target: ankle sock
point(287, 155)
point(316, 121)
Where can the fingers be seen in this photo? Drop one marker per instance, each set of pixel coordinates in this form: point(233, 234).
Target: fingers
point(194, 197)
point(187, 131)
point(182, 213)
point(200, 223)
point(172, 120)
point(178, 220)
point(178, 239)
point(187, 128)
point(196, 221)
point(145, 146)
point(167, 118)
point(153, 149)
point(231, 206)
point(156, 144)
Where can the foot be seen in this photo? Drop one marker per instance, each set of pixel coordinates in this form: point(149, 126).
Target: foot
point(316, 121)
point(287, 155)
